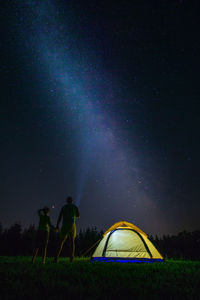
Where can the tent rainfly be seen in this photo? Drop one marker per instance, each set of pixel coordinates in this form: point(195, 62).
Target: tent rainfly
point(124, 242)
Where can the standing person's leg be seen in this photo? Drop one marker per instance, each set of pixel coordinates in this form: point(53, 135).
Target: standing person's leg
point(72, 249)
point(72, 242)
point(38, 244)
point(62, 237)
point(44, 255)
point(59, 249)
point(46, 238)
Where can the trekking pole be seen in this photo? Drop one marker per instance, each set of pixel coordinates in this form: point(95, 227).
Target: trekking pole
point(90, 248)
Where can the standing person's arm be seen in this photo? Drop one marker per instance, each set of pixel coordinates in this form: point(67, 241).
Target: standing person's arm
point(77, 213)
point(59, 219)
point(50, 224)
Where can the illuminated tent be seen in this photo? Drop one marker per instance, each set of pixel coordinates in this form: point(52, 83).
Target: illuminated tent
point(124, 242)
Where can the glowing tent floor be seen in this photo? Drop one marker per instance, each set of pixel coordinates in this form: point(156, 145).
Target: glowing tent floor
point(125, 260)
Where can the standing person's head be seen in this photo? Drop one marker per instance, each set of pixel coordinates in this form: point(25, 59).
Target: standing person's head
point(69, 199)
point(46, 211)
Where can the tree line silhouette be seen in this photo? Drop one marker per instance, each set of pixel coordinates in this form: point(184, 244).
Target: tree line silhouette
point(184, 245)
point(16, 241)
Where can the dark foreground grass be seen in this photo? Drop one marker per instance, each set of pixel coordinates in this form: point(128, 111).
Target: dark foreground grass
point(19, 279)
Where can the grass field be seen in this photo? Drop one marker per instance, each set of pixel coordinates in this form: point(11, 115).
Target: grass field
point(82, 279)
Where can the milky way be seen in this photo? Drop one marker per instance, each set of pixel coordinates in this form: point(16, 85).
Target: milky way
point(105, 165)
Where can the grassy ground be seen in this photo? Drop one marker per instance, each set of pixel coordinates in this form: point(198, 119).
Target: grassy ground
point(19, 279)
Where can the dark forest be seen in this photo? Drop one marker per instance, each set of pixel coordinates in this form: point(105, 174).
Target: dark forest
point(16, 241)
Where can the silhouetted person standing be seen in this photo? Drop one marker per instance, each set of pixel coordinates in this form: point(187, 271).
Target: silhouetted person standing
point(68, 214)
point(42, 237)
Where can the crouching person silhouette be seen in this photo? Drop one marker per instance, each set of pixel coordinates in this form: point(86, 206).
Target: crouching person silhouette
point(68, 214)
point(42, 237)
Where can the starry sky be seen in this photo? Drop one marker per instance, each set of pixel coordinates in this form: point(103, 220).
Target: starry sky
point(100, 101)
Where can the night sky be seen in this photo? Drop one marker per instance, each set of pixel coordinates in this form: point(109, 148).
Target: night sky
point(99, 100)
